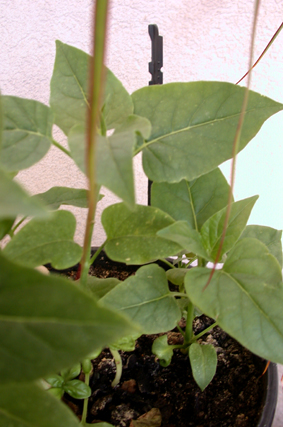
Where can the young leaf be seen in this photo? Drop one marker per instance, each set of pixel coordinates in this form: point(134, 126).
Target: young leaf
point(100, 287)
point(245, 297)
point(131, 235)
point(211, 231)
point(28, 405)
point(114, 155)
point(194, 124)
point(47, 323)
point(146, 299)
point(57, 196)
point(77, 389)
point(15, 201)
point(176, 275)
point(69, 97)
point(162, 350)
point(42, 242)
point(71, 373)
point(185, 236)
point(126, 343)
point(194, 201)
point(203, 360)
point(267, 235)
point(27, 132)
point(55, 381)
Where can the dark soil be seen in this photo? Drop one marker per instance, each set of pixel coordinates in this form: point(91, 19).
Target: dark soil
point(234, 398)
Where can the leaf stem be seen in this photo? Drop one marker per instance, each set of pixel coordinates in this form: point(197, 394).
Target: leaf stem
point(167, 262)
point(96, 253)
point(119, 366)
point(189, 323)
point(61, 148)
point(196, 337)
point(85, 406)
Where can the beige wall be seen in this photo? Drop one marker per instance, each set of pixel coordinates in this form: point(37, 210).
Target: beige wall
point(202, 40)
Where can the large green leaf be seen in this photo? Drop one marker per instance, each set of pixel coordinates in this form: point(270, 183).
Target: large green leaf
point(146, 299)
point(5, 226)
point(267, 235)
point(27, 133)
point(48, 323)
point(42, 242)
point(245, 297)
point(27, 405)
point(69, 93)
point(203, 360)
point(15, 201)
point(100, 287)
point(131, 235)
point(57, 196)
point(114, 156)
point(211, 231)
point(194, 125)
point(194, 201)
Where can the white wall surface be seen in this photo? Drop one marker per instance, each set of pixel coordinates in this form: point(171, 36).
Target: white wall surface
point(203, 40)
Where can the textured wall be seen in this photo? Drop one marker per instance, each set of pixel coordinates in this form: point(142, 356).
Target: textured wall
point(202, 40)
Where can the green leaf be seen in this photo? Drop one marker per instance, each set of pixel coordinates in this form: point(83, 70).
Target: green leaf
point(47, 323)
point(195, 124)
point(146, 299)
point(126, 343)
point(135, 124)
point(27, 405)
point(27, 133)
point(194, 201)
point(131, 235)
point(42, 242)
point(72, 372)
point(114, 156)
point(5, 226)
point(57, 392)
point(176, 275)
point(69, 93)
point(77, 389)
point(185, 236)
point(100, 287)
point(245, 297)
point(267, 235)
point(162, 350)
point(203, 360)
point(211, 231)
point(15, 201)
point(55, 381)
point(57, 196)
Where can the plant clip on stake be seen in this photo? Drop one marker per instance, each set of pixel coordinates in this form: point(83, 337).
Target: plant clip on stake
point(154, 68)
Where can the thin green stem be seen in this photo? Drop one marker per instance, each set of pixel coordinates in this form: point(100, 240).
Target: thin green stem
point(167, 262)
point(178, 294)
point(61, 148)
point(119, 366)
point(189, 323)
point(196, 337)
point(95, 255)
point(181, 330)
point(17, 225)
point(96, 87)
point(84, 414)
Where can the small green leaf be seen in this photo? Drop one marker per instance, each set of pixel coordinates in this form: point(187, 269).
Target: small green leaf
point(176, 275)
point(47, 323)
point(100, 287)
point(246, 297)
point(212, 229)
point(71, 373)
point(15, 201)
point(203, 360)
point(57, 196)
point(42, 242)
point(194, 124)
point(194, 201)
point(131, 235)
point(162, 350)
point(267, 235)
point(56, 392)
point(146, 299)
point(23, 405)
point(126, 343)
point(77, 389)
point(27, 132)
point(189, 239)
point(55, 380)
point(86, 366)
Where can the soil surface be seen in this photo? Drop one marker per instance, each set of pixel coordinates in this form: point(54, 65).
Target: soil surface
point(169, 396)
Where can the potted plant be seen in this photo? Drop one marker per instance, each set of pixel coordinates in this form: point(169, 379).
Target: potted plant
point(185, 130)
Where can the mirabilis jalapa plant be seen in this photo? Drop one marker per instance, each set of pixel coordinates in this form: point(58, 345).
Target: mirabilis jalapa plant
point(185, 131)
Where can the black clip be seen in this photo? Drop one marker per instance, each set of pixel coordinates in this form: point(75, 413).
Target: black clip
point(156, 63)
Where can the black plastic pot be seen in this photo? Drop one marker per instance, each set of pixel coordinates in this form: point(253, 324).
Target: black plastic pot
point(271, 383)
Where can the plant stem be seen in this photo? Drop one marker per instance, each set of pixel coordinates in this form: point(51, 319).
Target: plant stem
point(196, 337)
point(96, 87)
point(167, 262)
point(61, 148)
point(95, 255)
point(189, 323)
point(84, 414)
point(119, 366)
point(17, 225)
